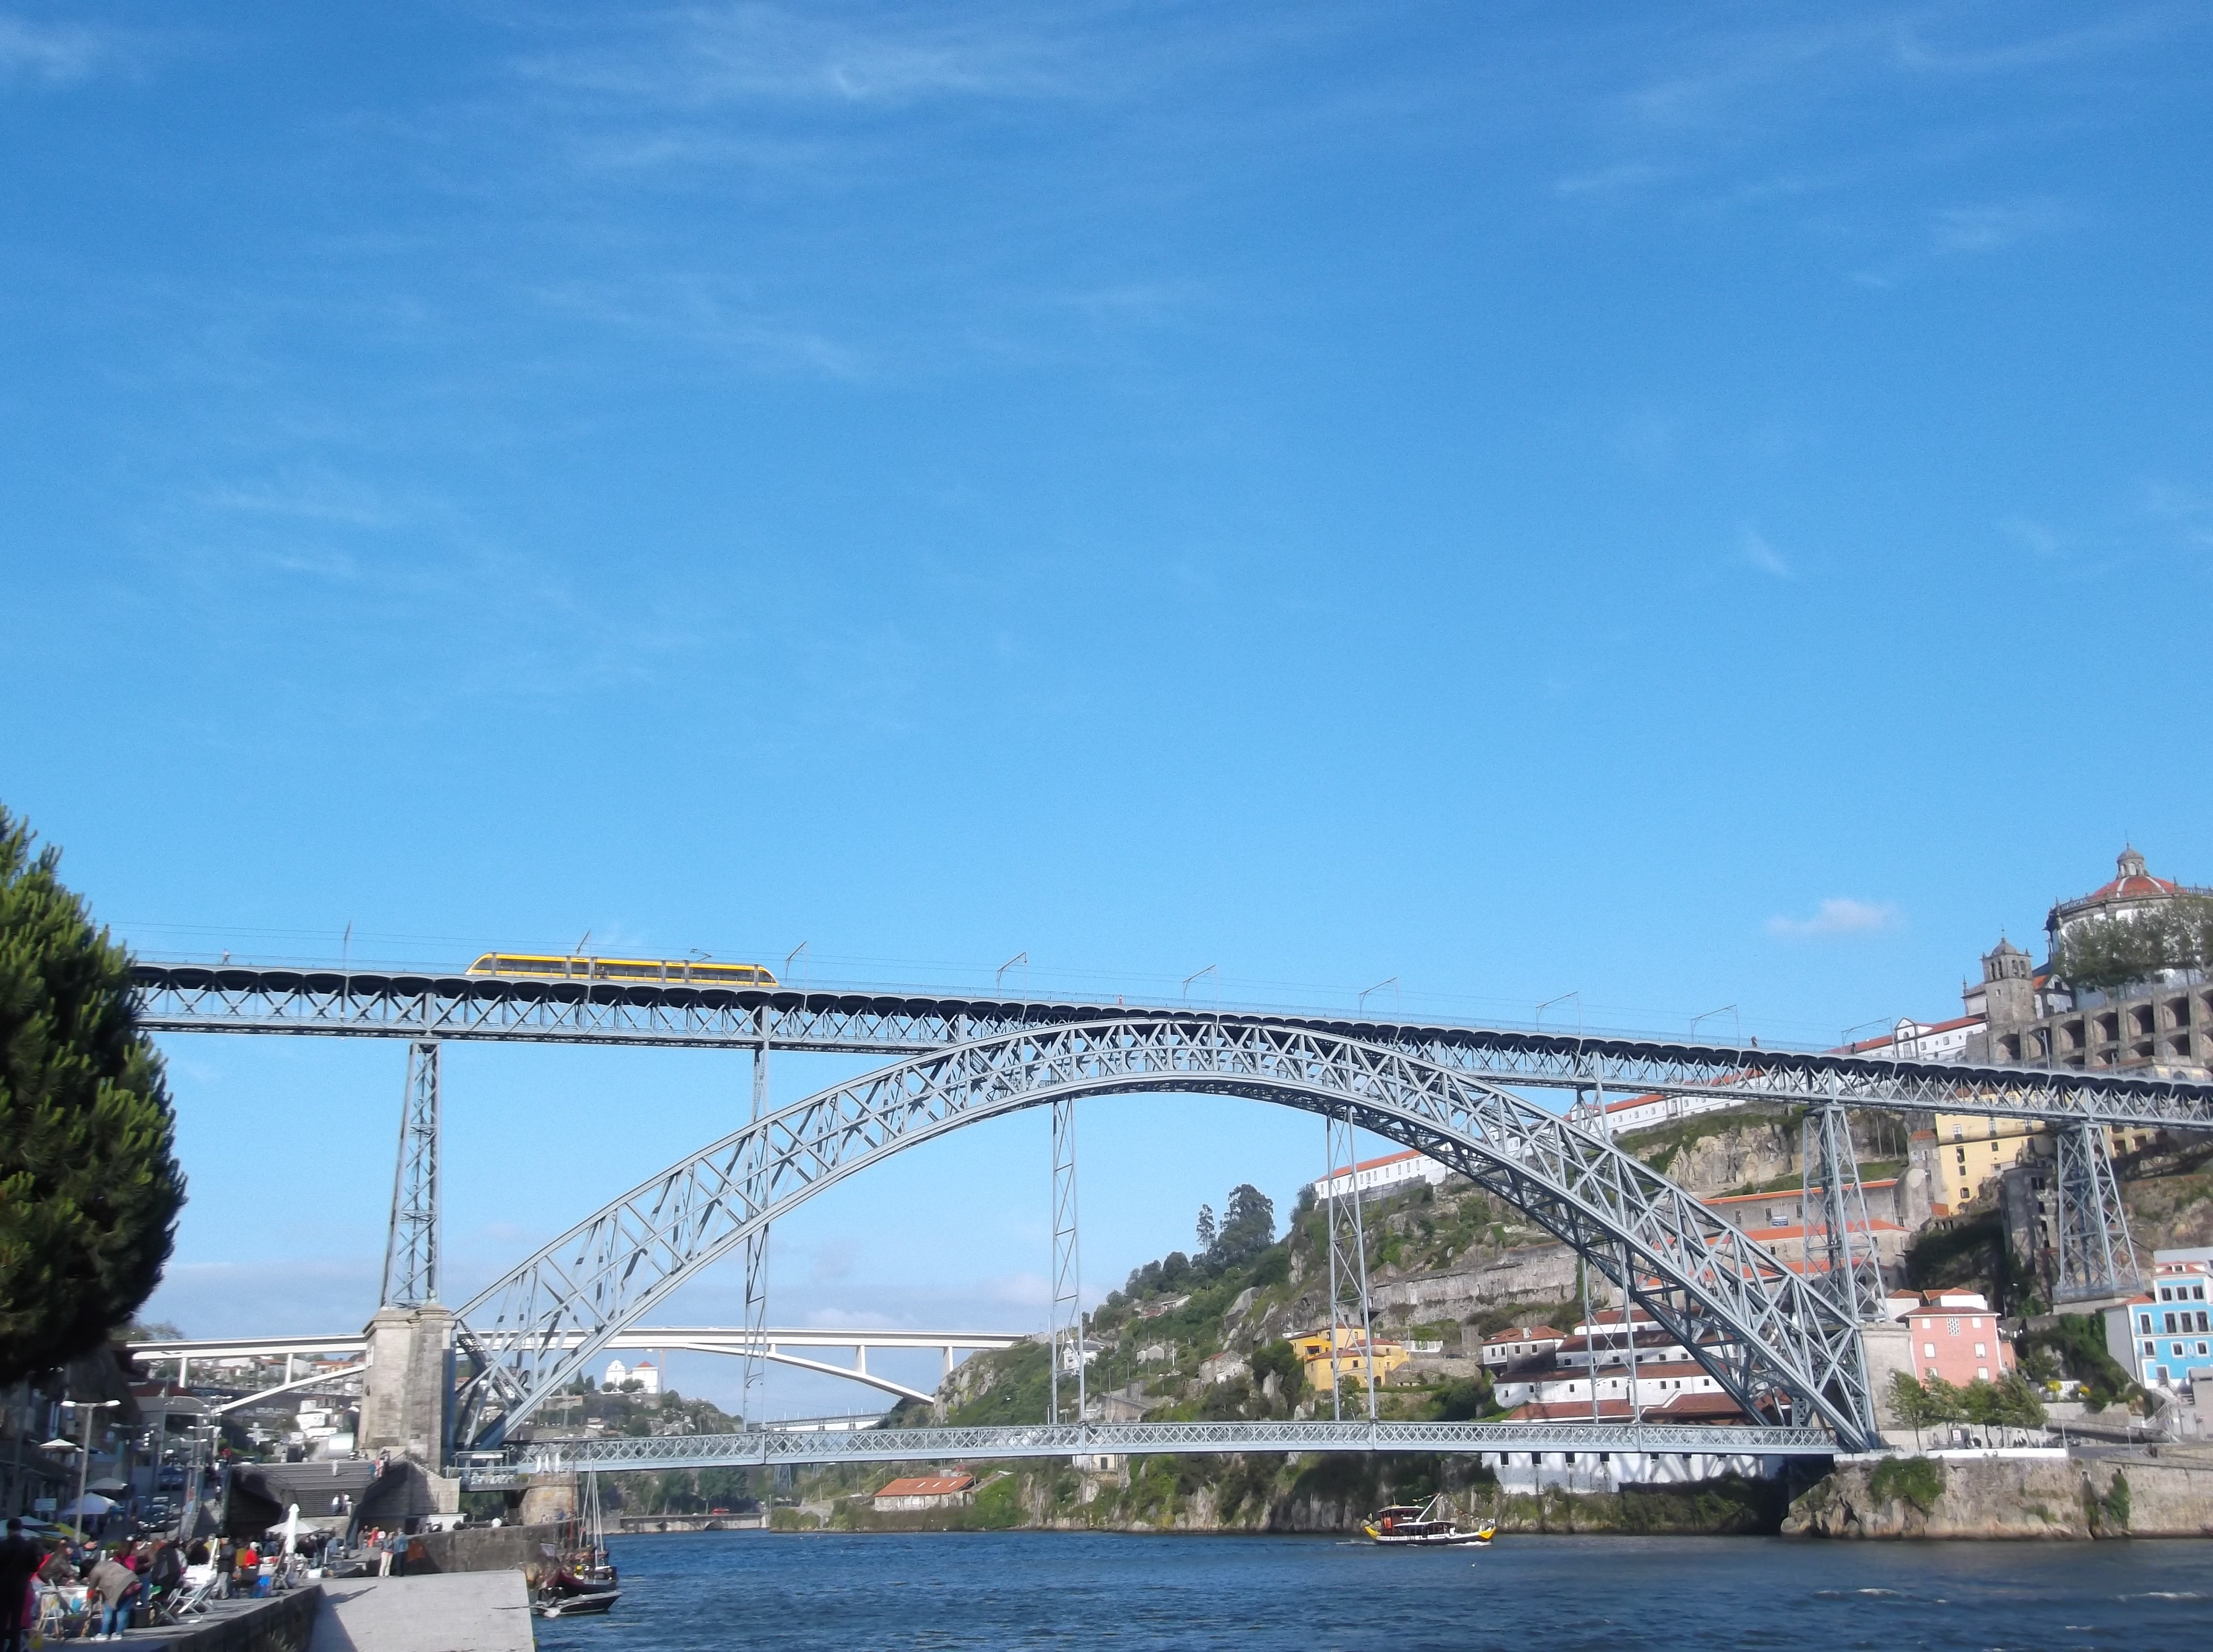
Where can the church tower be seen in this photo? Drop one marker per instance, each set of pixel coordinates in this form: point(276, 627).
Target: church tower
point(2009, 989)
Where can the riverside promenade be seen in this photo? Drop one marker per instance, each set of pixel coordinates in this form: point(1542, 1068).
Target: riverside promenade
point(448, 1612)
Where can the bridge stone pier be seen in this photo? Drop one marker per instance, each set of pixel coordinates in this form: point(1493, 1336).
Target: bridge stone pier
point(404, 1405)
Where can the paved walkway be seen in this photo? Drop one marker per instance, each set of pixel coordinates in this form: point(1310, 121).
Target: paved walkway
point(448, 1612)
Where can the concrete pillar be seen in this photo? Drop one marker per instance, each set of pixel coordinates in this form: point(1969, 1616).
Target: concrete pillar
point(1889, 1349)
point(547, 1498)
point(404, 1391)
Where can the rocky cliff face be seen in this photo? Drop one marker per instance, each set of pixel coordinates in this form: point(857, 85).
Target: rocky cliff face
point(2007, 1497)
point(1756, 1151)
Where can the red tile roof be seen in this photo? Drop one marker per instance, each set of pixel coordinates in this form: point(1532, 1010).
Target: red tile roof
point(1373, 1164)
point(927, 1485)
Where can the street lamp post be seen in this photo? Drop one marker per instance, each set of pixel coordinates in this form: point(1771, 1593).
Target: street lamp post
point(84, 1452)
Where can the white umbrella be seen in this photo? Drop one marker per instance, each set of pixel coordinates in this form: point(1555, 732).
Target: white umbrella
point(291, 1527)
point(91, 1503)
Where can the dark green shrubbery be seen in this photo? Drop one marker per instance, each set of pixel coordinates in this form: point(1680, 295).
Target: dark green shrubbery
point(1916, 1480)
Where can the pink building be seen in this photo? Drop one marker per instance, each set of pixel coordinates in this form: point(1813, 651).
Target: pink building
point(1955, 1337)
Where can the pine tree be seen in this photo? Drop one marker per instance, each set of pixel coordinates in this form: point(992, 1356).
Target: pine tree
point(1206, 1227)
point(90, 1186)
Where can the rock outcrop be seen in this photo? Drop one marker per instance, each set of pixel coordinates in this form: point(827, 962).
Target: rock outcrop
point(2007, 1497)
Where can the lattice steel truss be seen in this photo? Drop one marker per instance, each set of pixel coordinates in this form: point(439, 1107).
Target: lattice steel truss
point(2096, 1257)
point(1347, 1242)
point(753, 1379)
point(779, 1447)
point(410, 1245)
point(1066, 1368)
point(1774, 1341)
point(183, 998)
point(1834, 1209)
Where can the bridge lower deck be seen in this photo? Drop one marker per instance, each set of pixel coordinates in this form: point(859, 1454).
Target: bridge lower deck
point(772, 1446)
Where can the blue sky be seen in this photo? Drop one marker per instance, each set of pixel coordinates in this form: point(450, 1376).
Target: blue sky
point(1689, 507)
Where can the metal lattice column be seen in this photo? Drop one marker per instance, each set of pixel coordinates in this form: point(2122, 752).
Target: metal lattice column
point(411, 1247)
point(1067, 1328)
point(1834, 1199)
point(2096, 1257)
point(752, 1390)
point(1348, 1261)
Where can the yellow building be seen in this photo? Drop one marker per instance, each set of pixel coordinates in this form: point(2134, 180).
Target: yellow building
point(1352, 1357)
point(1972, 1149)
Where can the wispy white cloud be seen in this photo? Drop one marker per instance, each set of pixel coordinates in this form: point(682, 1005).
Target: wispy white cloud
point(702, 316)
point(2182, 511)
point(2115, 30)
point(1613, 180)
point(707, 55)
point(1992, 226)
point(1756, 552)
point(1840, 914)
point(56, 54)
point(1016, 1290)
point(2034, 537)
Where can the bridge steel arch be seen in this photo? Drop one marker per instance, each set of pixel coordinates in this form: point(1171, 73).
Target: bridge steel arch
point(1776, 1341)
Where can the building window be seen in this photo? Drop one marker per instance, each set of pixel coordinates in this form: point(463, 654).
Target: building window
point(1951, 1327)
point(1928, 1351)
point(2176, 1350)
point(1981, 1352)
point(2150, 1348)
point(1981, 1374)
point(2201, 1351)
point(2143, 1322)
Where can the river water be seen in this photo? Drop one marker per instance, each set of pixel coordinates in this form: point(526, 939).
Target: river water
point(991, 1590)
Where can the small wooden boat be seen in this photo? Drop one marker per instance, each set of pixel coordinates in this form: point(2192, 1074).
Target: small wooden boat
point(584, 1585)
point(1433, 1525)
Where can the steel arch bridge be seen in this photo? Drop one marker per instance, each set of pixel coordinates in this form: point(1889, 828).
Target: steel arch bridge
point(1778, 1342)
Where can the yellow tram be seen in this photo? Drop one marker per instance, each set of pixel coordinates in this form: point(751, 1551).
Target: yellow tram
point(658, 972)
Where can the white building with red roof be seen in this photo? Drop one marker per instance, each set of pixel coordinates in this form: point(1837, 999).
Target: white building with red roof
point(1378, 1176)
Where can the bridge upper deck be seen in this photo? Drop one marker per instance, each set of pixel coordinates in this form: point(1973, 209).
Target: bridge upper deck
point(250, 998)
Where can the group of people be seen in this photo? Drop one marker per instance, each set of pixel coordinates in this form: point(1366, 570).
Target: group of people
point(117, 1578)
point(120, 1578)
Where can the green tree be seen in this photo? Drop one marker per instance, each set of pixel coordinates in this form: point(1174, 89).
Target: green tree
point(2116, 950)
point(1248, 1227)
point(89, 1187)
point(1947, 1403)
point(1912, 1405)
point(1280, 1360)
point(1463, 1399)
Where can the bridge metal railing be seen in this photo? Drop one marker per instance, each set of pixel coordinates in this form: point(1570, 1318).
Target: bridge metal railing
point(771, 1446)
